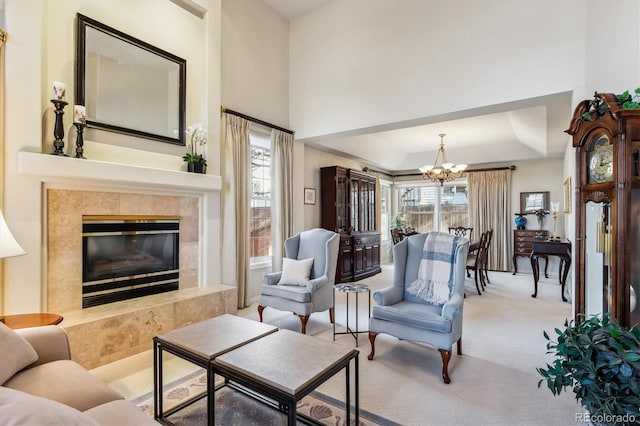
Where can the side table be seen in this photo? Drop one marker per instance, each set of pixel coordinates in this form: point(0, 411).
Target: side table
point(356, 289)
point(30, 320)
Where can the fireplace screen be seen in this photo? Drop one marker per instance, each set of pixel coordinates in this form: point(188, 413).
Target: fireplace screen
point(128, 258)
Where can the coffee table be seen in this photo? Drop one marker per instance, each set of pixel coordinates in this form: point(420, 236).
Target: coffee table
point(286, 366)
point(201, 343)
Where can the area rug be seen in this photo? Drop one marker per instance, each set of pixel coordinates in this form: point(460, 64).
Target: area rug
point(236, 408)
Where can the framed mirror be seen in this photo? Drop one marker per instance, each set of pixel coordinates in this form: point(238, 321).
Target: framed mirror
point(530, 201)
point(129, 86)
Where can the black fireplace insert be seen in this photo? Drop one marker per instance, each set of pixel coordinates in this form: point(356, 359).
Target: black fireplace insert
point(128, 257)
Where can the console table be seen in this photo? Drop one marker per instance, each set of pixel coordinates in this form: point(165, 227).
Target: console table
point(562, 249)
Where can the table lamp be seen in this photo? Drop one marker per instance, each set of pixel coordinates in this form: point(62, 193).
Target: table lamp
point(555, 206)
point(9, 247)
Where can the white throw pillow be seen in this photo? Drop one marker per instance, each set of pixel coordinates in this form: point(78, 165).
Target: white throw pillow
point(295, 272)
point(16, 352)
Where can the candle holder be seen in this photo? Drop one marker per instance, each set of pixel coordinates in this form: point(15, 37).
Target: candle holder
point(555, 206)
point(58, 129)
point(80, 140)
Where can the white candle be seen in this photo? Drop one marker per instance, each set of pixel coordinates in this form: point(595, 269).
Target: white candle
point(59, 90)
point(79, 114)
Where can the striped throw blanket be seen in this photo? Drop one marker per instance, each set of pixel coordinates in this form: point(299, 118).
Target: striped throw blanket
point(435, 274)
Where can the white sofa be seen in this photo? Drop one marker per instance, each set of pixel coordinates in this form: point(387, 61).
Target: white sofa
point(40, 385)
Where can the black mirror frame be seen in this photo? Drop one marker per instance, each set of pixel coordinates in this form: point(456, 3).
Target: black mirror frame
point(82, 23)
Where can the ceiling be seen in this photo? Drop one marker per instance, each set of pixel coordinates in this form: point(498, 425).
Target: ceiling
point(516, 131)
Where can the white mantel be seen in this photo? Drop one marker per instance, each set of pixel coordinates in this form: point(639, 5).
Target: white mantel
point(26, 280)
point(53, 168)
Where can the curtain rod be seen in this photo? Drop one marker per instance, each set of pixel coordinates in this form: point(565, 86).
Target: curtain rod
point(255, 120)
point(490, 169)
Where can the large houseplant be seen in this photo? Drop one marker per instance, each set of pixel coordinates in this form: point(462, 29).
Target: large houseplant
point(196, 161)
point(600, 360)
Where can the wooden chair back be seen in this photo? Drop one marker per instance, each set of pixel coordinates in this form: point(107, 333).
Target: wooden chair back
point(461, 231)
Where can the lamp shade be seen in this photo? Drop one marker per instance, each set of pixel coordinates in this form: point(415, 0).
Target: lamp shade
point(9, 247)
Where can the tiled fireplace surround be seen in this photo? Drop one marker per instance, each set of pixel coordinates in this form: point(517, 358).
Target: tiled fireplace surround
point(105, 333)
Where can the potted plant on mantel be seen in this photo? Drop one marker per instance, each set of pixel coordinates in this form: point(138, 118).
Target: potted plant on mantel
point(600, 359)
point(196, 161)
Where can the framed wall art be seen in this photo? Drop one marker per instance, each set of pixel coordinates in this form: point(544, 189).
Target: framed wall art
point(309, 196)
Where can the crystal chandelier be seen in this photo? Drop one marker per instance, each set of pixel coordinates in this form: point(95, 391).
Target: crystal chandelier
point(445, 172)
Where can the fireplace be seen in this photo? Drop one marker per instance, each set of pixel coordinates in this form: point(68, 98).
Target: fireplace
point(125, 257)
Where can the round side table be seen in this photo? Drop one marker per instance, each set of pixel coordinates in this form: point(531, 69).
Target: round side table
point(30, 320)
point(355, 289)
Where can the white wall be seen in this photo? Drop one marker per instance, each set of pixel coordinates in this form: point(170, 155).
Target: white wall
point(255, 66)
point(40, 50)
point(255, 82)
point(361, 63)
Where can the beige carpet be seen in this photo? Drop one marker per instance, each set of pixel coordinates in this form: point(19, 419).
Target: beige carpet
point(494, 382)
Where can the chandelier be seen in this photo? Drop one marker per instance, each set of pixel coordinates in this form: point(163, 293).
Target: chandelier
point(445, 172)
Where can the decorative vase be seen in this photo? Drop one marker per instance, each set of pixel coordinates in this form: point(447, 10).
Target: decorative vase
point(197, 168)
point(520, 221)
point(540, 221)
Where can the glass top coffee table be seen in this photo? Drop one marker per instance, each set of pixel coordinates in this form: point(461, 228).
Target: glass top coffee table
point(200, 344)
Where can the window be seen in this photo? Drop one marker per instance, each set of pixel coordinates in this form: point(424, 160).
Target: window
point(260, 203)
point(433, 208)
point(385, 211)
point(454, 206)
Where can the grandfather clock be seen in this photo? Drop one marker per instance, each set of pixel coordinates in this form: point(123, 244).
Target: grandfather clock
point(607, 208)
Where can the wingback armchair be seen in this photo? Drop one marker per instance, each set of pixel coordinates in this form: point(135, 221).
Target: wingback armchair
point(314, 294)
point(401, 313)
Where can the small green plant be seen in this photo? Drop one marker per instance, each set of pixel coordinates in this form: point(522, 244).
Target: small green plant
point(629, 101)
point(626, 100)
point(397, 222)
point(194, 158)
point(197, 140)
point(600, 360)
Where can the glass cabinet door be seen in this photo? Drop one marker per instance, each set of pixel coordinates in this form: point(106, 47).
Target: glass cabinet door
point(634, 276)
point(597, 273)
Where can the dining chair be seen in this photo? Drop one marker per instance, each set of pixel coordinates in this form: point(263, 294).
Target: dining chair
point(461, 231)
point(396, 235)
point(475, 262)
point(485, 261)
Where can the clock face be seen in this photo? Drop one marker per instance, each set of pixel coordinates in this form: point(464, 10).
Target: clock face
point(600, 160)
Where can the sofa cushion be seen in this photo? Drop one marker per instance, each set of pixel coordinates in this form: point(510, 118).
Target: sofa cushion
point(66, 382)
point(17, 353)
point(295, 272)
point(118, 413)
point(290, 292)
point(416, 314)
point(19, 408)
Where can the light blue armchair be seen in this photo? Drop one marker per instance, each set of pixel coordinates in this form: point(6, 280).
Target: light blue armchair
point(407, 316)
point(314, 295)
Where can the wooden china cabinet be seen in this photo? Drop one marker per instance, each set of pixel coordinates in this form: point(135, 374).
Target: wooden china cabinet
point(348, 203)
point(607, 205)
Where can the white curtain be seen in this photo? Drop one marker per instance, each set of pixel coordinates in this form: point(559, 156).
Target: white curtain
point(281, 194)
point(489, 196)
point(235, 205)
